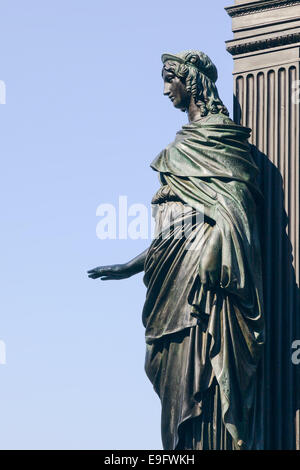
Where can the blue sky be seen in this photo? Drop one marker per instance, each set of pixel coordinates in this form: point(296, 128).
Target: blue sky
point(84, 117)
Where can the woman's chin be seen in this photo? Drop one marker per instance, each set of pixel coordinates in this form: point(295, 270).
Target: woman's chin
point(179, 106)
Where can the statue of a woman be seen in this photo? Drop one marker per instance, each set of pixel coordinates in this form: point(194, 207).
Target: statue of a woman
point(203, 310)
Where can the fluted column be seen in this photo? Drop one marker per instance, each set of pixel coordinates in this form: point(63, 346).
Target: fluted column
point(266, 53)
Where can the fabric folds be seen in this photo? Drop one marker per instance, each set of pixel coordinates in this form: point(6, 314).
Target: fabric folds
point(206, 346)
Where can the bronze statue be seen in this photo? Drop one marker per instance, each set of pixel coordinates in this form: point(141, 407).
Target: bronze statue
point(203, 312)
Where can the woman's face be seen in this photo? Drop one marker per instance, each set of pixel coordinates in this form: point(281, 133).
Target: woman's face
point(175, 89)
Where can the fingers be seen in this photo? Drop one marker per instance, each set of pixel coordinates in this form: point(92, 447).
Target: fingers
point(213, 278)
point(203, 278)
point(209, 279)
point(106, 273)
point(99, 272)
point(102, 276)
point(93, 276)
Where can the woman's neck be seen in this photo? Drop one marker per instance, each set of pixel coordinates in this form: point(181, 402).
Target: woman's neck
point(194, 112)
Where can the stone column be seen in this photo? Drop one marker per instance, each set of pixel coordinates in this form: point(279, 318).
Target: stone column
point(266, 53)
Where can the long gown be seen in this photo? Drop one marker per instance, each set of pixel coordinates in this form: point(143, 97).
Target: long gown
point(204, 347)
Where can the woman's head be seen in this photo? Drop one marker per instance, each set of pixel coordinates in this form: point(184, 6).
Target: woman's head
point(191, 74)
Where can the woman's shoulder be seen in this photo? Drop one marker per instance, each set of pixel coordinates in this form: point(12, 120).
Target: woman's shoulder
point(220, 123)
point(220, 119)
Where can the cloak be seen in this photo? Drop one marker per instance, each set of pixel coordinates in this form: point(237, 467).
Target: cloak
point(210, 168)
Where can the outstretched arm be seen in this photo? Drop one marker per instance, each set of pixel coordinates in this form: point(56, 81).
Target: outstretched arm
point(119, 271)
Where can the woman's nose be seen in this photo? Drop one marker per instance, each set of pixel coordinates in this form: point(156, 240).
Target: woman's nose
point(166, 89)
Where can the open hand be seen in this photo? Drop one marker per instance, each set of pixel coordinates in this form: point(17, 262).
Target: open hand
point(106, 273)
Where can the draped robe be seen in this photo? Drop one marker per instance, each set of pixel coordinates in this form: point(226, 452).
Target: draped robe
point(204, 347)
